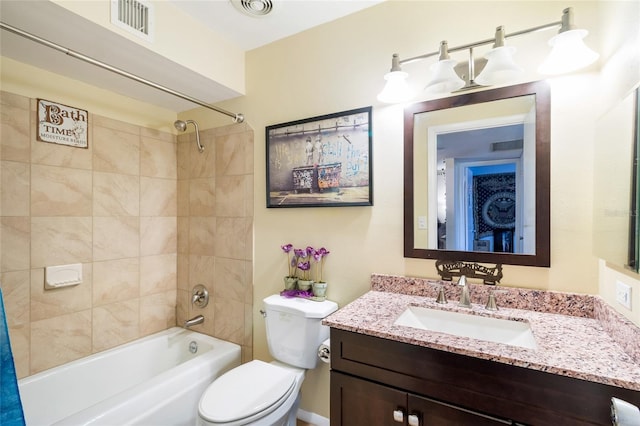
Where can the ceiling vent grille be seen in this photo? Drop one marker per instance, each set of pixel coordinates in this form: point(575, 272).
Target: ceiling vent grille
point(134, 16)
point(254, 8)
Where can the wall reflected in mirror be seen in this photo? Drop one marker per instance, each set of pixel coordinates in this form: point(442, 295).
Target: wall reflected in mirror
point(615, 184)
point(477, 177)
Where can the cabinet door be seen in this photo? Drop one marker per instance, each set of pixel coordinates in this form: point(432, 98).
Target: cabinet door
point(356, 402)
point(434, 413)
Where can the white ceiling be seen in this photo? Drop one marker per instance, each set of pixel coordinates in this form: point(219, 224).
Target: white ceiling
point(54, 23)
point(287, 18)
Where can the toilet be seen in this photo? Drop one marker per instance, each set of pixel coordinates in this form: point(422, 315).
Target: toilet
point(268, 394)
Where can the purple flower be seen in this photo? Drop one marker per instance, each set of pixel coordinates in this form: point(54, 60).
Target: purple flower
point(287, 248)
point(305, 267)
point(291, 259)
point(319, 256)
point(296, 293)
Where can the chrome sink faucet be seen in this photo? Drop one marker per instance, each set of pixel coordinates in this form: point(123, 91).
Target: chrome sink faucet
point(465, 299)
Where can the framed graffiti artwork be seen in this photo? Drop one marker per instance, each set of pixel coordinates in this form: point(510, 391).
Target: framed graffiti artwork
point(321, 161)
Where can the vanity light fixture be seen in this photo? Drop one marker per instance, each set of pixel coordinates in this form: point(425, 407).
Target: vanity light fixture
point(396, 90)
point(500, 67)
point(444, 77)
point(569, 53)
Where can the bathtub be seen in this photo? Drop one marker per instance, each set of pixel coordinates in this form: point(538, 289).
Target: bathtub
point(155, 380)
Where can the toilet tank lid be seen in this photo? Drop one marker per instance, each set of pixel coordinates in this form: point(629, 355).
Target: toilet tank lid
point(299, 306)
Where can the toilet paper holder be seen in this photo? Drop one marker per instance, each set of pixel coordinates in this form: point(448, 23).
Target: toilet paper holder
point(324, 351)
point(624, 413)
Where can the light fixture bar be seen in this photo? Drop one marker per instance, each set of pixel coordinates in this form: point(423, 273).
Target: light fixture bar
point(482, 42)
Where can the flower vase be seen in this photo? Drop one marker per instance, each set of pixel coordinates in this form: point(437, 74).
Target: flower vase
point(320, 290)
point(290, 283)
point(304, 285)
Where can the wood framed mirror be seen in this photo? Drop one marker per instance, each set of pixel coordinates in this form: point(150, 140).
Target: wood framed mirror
point(477, 177)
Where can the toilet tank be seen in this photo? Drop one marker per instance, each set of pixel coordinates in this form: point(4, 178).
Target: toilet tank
point(295, 330)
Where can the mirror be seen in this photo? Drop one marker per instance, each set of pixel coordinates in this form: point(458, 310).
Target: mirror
point(476, 177)
point(615, 224)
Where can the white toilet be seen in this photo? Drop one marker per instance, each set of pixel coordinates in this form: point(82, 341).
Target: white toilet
point(267, 394)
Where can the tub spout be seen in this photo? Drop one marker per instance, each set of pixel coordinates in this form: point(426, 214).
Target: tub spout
point(194, 321)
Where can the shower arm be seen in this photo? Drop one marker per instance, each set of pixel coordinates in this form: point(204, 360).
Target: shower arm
point(237, 118)
point(200, 147)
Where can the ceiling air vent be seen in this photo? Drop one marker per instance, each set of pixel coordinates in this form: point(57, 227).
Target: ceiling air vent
point(254, 8)
point(134, 16)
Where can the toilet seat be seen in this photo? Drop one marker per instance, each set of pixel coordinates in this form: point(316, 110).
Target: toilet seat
point(249, 391)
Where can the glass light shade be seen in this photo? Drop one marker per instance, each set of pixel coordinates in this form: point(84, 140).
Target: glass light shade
point(500, 68)
point(444, 78)
point(569, 53)
point(396, 90)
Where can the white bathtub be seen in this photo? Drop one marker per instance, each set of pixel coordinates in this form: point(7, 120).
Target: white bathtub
point(155, 380)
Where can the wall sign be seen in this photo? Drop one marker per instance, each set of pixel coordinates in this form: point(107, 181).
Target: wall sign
point(62, 124)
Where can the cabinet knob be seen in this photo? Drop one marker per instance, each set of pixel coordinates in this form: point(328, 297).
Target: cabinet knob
point(398, 416)
point(414, 420)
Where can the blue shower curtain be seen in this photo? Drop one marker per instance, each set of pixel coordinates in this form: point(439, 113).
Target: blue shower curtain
point(10, 405)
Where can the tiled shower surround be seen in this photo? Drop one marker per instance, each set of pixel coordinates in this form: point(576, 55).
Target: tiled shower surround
point(146, 215)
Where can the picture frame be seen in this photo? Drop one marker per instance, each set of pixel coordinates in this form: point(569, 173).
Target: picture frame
point(323, 161)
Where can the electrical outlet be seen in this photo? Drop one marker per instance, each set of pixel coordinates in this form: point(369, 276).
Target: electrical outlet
point(623, 294)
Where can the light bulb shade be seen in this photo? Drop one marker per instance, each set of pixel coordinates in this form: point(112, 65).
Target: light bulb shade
point(396, 90)
point(569, 53)
point(500, 68)
point(444, 78)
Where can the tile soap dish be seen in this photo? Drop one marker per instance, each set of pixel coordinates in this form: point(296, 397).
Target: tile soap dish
point(62, 276)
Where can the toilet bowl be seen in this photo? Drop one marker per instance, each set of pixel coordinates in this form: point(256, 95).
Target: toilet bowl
point(268, 394)
point(256, 393)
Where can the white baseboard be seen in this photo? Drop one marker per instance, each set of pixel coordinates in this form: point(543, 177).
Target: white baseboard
point(312, 418)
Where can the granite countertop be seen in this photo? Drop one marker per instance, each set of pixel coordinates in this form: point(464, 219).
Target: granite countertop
point(576, 345)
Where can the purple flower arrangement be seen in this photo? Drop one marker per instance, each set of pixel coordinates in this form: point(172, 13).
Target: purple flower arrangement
point(304, 264)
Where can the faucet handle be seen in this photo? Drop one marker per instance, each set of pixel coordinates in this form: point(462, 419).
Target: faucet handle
point(442, 298)
point(491, 301)
point(462, 281)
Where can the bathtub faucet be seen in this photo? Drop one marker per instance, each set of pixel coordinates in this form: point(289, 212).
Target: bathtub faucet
point(194, 321)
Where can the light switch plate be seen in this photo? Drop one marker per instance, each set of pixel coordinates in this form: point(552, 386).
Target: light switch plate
point(623, 294)
point(422, 222)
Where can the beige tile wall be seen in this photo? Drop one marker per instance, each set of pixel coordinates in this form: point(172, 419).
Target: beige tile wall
point(215, 231)
point(121, 208)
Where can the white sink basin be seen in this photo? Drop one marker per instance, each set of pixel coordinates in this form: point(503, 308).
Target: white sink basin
point(516, 333)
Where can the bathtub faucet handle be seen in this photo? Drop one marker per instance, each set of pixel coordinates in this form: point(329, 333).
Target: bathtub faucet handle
point(199, 296)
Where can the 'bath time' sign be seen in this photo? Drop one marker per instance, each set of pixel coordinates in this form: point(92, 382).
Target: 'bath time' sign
point(62, 124)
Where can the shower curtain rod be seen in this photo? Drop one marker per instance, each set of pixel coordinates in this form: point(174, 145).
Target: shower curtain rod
point(237, 118)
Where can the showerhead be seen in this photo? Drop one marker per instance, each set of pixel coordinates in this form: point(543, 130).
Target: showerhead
point(181, 126)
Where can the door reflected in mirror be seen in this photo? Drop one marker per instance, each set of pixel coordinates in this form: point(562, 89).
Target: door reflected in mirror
point(479, 177)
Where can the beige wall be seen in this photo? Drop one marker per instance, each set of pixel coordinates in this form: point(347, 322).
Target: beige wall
point(194, 45)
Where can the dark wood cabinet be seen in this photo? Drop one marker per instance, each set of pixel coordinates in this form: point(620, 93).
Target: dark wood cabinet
point(366, 403)
point(373, 378)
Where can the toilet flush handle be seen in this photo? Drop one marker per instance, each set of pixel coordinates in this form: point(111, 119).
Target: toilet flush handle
point(263, 312)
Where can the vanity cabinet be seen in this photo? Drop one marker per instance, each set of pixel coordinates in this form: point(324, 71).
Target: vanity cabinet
point(377, 381)
point(386, 406)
